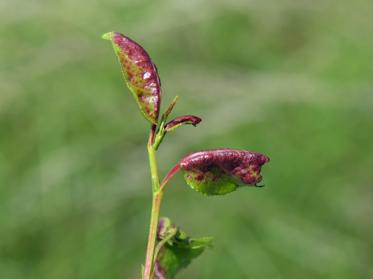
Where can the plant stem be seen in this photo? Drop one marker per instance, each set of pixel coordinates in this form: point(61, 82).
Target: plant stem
point(156, 204)
point(148, 271)
point(153, 168)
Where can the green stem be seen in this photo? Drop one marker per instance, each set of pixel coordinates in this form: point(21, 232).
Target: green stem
point(153, 168)
point(156, 204)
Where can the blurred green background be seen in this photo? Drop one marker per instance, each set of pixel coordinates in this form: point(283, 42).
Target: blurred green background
point(291, 79)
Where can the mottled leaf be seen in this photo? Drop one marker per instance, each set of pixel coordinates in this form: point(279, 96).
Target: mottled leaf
point(221, 171)
point(139, 73)
point(182, 120)
point(177, 250)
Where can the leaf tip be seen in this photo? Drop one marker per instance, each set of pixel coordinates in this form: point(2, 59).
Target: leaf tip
point(196, 120)
point(108, 36)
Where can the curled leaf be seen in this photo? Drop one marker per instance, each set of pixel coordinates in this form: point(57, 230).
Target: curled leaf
point(182, 120)
point(139, 73)
point(174, 123)
point(177, 249)
point(221, 171)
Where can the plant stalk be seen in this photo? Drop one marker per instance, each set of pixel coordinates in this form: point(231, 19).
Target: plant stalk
point(156, 205)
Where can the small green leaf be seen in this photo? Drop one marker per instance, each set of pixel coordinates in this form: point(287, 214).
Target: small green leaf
point(177, 250)
point(140, 74)
point(221, 171)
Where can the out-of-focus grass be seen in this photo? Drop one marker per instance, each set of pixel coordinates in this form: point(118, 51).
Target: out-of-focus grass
point(290, 79)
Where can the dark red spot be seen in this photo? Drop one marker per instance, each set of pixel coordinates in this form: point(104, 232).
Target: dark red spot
point(200, 177)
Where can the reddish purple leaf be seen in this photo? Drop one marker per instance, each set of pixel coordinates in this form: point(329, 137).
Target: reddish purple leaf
point(140, 74)
point(182, 120)
point(221, 171)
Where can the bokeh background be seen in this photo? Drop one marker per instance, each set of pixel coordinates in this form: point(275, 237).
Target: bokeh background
point(291, 79)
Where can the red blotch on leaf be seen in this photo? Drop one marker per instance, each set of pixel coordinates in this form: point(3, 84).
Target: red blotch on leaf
point(242, 164)
point(140, 73)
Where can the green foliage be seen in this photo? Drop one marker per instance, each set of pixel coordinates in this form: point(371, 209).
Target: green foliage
point(209, 185)
point(177, 249)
